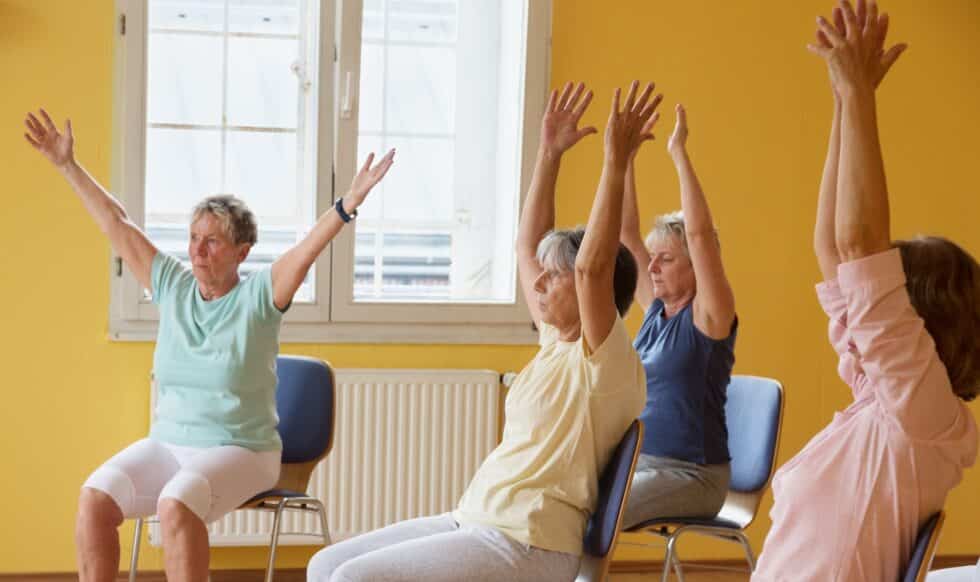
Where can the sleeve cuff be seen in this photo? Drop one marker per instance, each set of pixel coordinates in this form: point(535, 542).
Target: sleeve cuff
point(885, 266)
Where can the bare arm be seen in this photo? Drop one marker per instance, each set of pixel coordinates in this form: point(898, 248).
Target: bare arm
point(824, 237)
point(289, 270)
point(559, 132)
point(126, 239)
point(853, 48)
point(714, 303)
point(857, 62)
point(595, 263)
point(632, 238)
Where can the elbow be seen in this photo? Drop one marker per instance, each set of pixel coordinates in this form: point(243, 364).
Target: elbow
point(588, 266)
point(859, 243)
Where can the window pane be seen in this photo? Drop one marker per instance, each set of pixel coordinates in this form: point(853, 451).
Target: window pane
point(419, 186)
point(422, 20)
point(262, 90)
point(264, 16)
point(184, 79)
point(420, 91)
point(373, 20)
point(187, 15)
point(182, 167)
point(370, 111)
point(443, 85)
point(261, 169)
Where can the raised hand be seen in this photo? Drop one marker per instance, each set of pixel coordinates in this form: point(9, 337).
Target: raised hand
point(44, 136)
point(559, 128)
point(678, 139)
point(369, 176)
point(853, 46)
point(628, 128)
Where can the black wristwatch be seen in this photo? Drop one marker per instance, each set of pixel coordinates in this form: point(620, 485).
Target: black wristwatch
point(339, 207)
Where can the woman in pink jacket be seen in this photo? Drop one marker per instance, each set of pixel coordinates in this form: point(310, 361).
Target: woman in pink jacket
point(904, 318)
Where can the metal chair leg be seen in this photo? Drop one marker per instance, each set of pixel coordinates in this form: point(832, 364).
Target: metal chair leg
point(274, 541)
point(135, 558)
point(323, 525)
point(677, 568)
point(749, 556)
point(670, 559)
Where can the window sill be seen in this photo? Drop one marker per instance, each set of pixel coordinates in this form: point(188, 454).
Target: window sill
point(366, 333)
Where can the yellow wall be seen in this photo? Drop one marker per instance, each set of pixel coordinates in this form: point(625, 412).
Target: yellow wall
point(758, 107)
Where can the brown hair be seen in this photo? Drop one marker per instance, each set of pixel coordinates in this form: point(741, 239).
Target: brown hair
point(943, 282)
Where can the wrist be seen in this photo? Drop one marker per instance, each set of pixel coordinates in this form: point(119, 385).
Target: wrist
point(549, 154)
point(616, 161)
point(67, 166)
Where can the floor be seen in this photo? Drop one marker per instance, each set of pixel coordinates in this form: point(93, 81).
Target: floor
point(692, 573)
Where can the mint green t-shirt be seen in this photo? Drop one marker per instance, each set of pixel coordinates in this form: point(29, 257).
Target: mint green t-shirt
point(215, 361)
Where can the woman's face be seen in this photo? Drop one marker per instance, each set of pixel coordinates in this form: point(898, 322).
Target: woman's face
point(214, 255)
point(557, 298)
point(671, 270)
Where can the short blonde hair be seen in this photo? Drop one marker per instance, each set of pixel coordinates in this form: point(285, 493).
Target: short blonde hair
point(234, 215)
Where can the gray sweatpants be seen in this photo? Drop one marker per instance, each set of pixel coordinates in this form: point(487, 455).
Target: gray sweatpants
point(664, 487)
point(438, 549)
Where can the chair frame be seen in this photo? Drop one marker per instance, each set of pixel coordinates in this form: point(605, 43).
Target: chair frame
point(930, 552)
point(596, 568)
point(739, 508)
point(277, 500)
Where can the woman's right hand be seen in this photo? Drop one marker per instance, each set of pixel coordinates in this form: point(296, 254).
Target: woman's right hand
point(559, 128)
point(44, 136)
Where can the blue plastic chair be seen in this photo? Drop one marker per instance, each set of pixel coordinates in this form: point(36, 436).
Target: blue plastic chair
point(305, 403)
point(754, 413)
point(605, 523)
point(924, 550)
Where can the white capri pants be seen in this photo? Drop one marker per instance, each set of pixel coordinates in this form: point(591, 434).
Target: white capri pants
point(438, 549)
point(210, 481)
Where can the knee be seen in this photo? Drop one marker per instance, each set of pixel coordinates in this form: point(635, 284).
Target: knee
point(175, 516)
point(324, 565)
point(96, 510)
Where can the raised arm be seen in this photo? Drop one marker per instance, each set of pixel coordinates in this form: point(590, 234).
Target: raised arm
point(714, 302)
point(127, 240)
point(857, 64)
point(289, 270)
point(595, 263)
point(559, 132)
point(825, 236)
point(631, 235)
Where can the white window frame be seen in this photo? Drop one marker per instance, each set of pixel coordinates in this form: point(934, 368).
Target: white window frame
point(333, 316)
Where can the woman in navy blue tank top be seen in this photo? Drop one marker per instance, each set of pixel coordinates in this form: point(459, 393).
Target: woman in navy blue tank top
point(687, 344)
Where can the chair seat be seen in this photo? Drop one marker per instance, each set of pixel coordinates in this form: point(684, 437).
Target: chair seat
point(274, 494)
point(682, 521)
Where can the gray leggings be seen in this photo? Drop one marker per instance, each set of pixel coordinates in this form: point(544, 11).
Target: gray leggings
point(664, 487)
point(438, 549)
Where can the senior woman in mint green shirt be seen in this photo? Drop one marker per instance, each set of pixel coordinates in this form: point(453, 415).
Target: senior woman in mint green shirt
point(214, 442)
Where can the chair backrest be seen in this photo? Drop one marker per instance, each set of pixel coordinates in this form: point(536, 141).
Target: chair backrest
point(305, 403)
point(924, 549)
point(614, 485)
point(753, 413)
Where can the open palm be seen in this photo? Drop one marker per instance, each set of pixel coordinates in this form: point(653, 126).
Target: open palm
point(559, 128)
point(368, 176)
point(44, 137)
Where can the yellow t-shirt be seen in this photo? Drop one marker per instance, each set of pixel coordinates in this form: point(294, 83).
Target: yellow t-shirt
point(565, 414)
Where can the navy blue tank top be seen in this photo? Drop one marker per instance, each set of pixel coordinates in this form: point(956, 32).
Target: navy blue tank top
point(687, 383)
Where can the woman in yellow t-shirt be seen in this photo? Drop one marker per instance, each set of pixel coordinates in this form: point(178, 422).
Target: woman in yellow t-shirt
point(523, 516)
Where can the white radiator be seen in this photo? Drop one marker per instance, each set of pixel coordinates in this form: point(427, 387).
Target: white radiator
point(406, 444)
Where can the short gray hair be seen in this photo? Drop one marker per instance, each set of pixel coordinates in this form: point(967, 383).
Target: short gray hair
point(233, 214)
point(558, 249)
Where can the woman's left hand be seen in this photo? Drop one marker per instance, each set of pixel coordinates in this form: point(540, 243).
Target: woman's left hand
point(628, 129)
point(368, 177)
point(678, 139)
